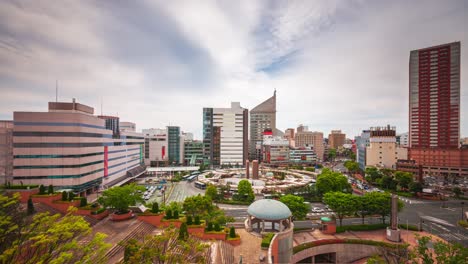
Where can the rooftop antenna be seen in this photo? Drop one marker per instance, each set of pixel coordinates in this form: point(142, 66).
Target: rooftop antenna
point(56, 90)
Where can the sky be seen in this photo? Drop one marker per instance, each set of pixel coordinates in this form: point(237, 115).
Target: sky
point(334, 64)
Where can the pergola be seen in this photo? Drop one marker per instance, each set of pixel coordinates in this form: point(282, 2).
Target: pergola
point(268, 215)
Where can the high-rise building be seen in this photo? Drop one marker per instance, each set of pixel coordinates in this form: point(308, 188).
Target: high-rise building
point(6, 151)
point(193, 153)
point(308, 139)
point(434, 97)
point(70, 148)
point(336, 139)
point(112, 123)
point(173, 144)
point(225, 135)
point(302, 128)
point(383, 151)
point(403, 139)
point(127, 126)
point(262, 117)
point(275, 150)
point(362, 142)
point(434, 111)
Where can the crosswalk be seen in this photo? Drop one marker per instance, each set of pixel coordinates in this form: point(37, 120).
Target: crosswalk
point(317, 214)
point(411, 201)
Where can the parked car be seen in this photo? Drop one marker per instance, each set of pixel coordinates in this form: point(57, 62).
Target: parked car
point(317, 210)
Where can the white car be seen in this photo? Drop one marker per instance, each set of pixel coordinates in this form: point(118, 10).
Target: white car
point(317, 210)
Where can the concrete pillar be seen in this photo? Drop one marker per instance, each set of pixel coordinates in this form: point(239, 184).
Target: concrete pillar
point(247, 169)
point(249, 221)
point(255, 169)
point(281, 225)
point(273, 225)
point(263, 225)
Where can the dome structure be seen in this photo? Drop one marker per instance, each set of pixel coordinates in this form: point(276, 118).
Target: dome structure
point(269, 209)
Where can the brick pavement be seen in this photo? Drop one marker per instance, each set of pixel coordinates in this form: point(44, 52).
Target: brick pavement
point(250, 248)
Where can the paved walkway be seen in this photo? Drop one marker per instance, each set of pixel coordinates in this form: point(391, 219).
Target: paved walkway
point(377, 235)
point(249, 249)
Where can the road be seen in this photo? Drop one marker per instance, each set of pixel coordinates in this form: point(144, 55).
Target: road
point(182, 190)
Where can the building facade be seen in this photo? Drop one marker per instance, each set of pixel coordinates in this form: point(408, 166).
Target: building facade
point(303, 156)
point(336, 139)
point(127, 126)
point(275, 150)
point(362, 142)
point(71, 148)
point(6, 151)
point(193, 153)
point(173, 144)
point(383, 151)
point(225, 135)
point(262, 117)
point(309, 138)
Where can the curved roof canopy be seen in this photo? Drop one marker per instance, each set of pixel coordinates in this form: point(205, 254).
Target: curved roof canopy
point(269, 209)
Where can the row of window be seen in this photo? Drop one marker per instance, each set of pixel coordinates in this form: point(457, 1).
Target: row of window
point(70, 166)
point(73, 145)
point(69, 156)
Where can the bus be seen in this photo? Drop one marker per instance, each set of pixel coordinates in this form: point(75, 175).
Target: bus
point(200, 185)
point(192, 178)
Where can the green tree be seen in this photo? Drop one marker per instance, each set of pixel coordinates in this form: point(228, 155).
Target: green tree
point(30, 206)
point(209, 227)
point(121, 198)
point(83, 201)
point(189, 220)
point(167, 248)
point(176, 214)
point(381, 204)
point(183, 232)
point(12, 220)
point(155, 208)
point(245, 192)
point(329, 181)
point(168, 214)
point(71, 196)
point(388, 183)
point(457, 191)
point(331, 154)
point(212, 192)
point(42, 189)
point(297, 206)
point(51, 189)
point(341, 203)
point(351, 166)
point(131, 248)
point(443, 252)
point(217, 227)
point(415, 187)
point(197, 205)
point(54, 239)
point(404, 179)
point(197, 220)
point(373, 174)
point(64, 196)
point(202, 167)
point(363, 203)
point(232, 232)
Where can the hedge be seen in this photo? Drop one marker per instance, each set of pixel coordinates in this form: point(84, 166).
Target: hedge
point(100, 210)
point(267, 240)
point(409, 227)
point(307, 245)
point(341, 229)
point(20, 187)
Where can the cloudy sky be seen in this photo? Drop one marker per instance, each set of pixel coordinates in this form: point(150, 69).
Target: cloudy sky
point(335, 64)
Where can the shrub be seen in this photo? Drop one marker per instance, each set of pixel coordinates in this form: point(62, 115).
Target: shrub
point(64, 196)
point(155, 208)
point(463, 223)
point(217, 227)
point(100, 210)
point(409, 227)
point(71, 196)
point(267, 240)
point(94, 205)
point(189, 220)
point(42, 189)
point(30, 206)
point(232, 232)
point(183, 232)
point(175, 215)
point(51, 189)
point(83, 202)
point(209, 227)
point(168, 214)
point(197, 220)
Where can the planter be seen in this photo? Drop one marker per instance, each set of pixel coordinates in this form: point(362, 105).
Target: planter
point(175, 222)
point(153, 219)
point(215, 236)
point(24, 193)
point(46, 199)
point(122, 217)
point(234, 241)
point(197, 231)
point(63, 206)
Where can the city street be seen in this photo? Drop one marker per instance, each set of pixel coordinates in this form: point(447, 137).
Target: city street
point(181, 190)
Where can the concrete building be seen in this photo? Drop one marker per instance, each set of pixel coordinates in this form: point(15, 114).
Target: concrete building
point(309, 138)
point(289, 133)
point(225, 135)
point(362, 142)
point(156, 146)
point(154, 131)
point(164, 147)
point(336, 139)
point(262, 117)
point(302, 128)
point(127, 126)
point(303, 156)
point(383, 150)
point(193, 153)
point(434, 111)
point(403, 140)
point(71, 148)
point(6, 151)
point(275, 150)
point(173, 145)
point(112, 123)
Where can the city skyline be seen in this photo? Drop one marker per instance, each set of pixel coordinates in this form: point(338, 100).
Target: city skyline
point(335, 65)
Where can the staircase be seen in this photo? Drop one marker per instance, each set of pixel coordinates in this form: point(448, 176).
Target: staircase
point(226, 251)
point(42, 208)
